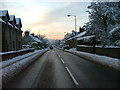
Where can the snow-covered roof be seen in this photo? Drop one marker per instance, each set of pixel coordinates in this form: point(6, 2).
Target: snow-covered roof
point(2, 21)
point(70, 38)
point(18, 20)
point(81, 34)
point(36, 39)
point(3, 12)
point(16, 28)
point(27, 31)
point(10, 24)
point(85, 37)
point(68, 35)
point(12, 17)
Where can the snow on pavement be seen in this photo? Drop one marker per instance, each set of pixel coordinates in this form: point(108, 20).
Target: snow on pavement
point(14, 60)
point(13, 69)
point(104, 60)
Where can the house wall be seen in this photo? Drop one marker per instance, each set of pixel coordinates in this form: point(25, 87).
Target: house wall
point(0, 37)
point(3, 37)
point(10, 38)
point(19, 39)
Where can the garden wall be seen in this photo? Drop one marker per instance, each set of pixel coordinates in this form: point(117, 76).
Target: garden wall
point(12, 54)
point(112, 52)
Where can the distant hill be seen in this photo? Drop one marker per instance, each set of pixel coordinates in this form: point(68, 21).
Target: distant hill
point(52, 41)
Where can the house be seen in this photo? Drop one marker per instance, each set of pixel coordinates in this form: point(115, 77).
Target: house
point(10, 32)
point(19, 33)
point(28, 39)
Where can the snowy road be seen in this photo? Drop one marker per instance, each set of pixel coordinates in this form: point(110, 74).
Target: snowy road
point(58, 69)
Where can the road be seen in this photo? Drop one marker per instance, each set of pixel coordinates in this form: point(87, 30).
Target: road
point(59, 69)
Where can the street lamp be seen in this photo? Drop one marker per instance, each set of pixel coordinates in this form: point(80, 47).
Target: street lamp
point(75, 20)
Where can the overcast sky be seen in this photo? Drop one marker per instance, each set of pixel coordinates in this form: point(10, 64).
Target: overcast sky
point(48, 17)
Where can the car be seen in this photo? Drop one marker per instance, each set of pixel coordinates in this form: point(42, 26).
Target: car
point(51, 47)
point(66, 47)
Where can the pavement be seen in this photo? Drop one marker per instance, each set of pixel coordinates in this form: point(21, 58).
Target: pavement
point(59, 69)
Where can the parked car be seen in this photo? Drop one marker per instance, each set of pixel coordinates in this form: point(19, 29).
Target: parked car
point(51, 47)
point(66, 47)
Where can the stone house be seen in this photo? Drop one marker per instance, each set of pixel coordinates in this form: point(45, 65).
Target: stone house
point(28, 39)
point(10, 32)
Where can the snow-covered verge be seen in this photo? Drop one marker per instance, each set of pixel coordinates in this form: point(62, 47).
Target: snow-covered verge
point(16, 51)
point(15, 59)
point(104, 60)
point(16, 65)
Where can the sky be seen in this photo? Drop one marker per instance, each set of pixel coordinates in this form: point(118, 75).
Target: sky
point(48, 17)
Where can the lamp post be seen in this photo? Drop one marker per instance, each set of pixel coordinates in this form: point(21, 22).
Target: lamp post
point(75, 20)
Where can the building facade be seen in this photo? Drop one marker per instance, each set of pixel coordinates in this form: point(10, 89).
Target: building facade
point(10, 32)
point(28, 39)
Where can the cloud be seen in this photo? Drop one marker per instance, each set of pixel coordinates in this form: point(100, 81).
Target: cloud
point(48, 18)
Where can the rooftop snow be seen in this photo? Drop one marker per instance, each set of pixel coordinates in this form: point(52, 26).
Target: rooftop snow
point(16, 28)
point(10, 24)
point(2, 21)
point(12, 17)
point(68, 35)
point(85, 37)
point(17, 20)
point(36, 39)
point(3, 12)
point(81, 34)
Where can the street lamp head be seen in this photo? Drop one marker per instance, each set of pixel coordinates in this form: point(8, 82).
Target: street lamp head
point(68, 15)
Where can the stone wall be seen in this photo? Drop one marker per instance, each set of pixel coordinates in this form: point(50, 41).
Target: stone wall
point(112, 52)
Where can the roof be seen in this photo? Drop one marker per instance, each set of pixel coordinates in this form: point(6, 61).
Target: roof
point(27, 31)
point(16, 28)
point(18, 21)
point(2, 21)
point(68, 35)
point(10, 24)
point(12, 17)
point(81, 34)
point(3, 12)
point(35, 39)
point(86, 38)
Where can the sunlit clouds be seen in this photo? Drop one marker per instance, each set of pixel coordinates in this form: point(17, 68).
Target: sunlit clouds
point(49, 18)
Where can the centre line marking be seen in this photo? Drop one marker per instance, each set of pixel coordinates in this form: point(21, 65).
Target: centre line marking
point(62, 60)
point(59, 56)
point(74, 80)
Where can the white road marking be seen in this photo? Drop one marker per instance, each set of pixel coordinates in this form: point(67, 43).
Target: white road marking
point(71, 75)
point(62, 60)
point(59, 56)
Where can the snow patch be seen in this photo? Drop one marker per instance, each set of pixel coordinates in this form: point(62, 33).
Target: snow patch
point(36, 39)
point(2, 21)
point(104, 60)
point(81, 34)
point(12, 69)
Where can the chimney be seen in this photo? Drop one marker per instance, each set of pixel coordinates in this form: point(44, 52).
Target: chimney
point(32, 34)
point(26, 33)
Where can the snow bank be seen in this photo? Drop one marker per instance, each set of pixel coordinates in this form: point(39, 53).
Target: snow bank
point(104, 60)
point(14, 60)
point(10, 52)
point(15, 65)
